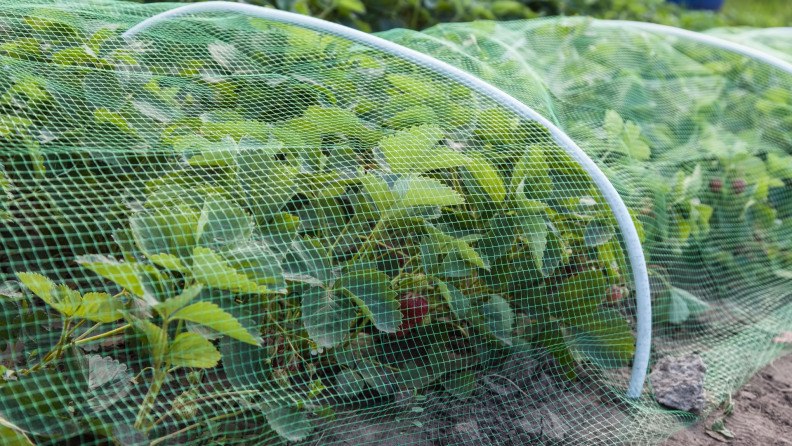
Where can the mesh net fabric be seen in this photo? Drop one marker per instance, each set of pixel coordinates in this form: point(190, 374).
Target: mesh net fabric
point(228, 229)
point(775, 41)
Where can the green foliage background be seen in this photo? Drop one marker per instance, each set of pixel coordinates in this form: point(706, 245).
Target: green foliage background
point(381, 15)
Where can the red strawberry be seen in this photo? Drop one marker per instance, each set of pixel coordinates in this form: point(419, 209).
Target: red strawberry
point(739, 185)
point(715, 185)
point(413, 309)
point(614, 295)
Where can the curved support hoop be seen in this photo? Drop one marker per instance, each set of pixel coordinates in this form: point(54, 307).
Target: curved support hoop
point(623, 217)
point(702, 38)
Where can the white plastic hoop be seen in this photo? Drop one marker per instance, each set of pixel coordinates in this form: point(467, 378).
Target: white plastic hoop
point(620, 211)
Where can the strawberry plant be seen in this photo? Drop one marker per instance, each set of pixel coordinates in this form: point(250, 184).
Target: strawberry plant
point(323, 226)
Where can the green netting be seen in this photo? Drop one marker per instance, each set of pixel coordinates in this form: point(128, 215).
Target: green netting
point(774, 41)
point(229, 230)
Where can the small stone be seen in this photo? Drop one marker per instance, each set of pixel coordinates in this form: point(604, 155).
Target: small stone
point(678, 383)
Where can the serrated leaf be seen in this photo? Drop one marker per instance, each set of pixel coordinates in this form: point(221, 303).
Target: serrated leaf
point(461, 384)
point(210, 315)
point(100, 307)
point(378, 378)
point(11, 437)
point(307, 261)
point(174, 303)
point(125, 274)
point(535, 232)
point(65, 300)
point(288, 422)
point(225, 224)
point(212, 270)
point(371, 292)
point(499, 317)
point(487, 177)
point(166, 231)
point(606, 339)
point(192, 350)
point(598, 232)
point(422, 191)
point(156, 341)
point(579, 296)
point(38, 284)
point(326, 316)
point(108, 382)
point(245, 365)
point(378, 190)
point(340, 121)
point(683, 305)
point(349, 384)
point(258, 263)
point(459, 303)
point(414, 151)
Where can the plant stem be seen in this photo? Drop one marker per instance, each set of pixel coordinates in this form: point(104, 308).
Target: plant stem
point(343, 233)
point(55, 350)
point(370, 237)
point(103, 335)
point(353, 336)
point(189, 428)
point(205, 398)
point(141, 422)
point(89, 331)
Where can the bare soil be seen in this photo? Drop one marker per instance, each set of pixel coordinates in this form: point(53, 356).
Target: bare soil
point(762, 414)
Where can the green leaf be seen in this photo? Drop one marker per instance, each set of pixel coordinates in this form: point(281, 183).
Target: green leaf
point(530, 177)
point(102, 90)
point(108, 382)
point(170, 262)
point(487, 177)
point(268, 183)
point(414, 151)
point(210, 315)
point(578, 297)
point(378, 190)
point(326, 316)
point(174, 303)
point(598, 232)
point(259, 264)
point(12, 437)
point(371, 292)
point(100, 307)
point(499, 239)
point(38, 284)
point(308, 262)
point(224, 224)
point(245, 365)
point(683, 305)
point(156, 340)
point(349, 384)
point(210, 269)
point(535, 232)
point(413, 377)
point(499, 317)
point(192, 350)
point(59, 297)
point(459, 303)
point(461, 384)
point(378, 378)
point(166, 231)
point(125, 274)
point(422, 191)
point(340, 121)
point(606, 339)
point(288, 422)
point(417, 115)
